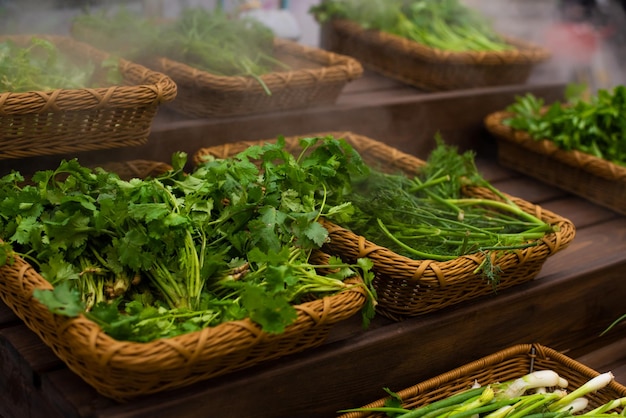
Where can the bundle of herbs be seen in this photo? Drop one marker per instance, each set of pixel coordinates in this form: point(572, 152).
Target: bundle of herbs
point(211, 41)
point(538, 394)
point(42, 66)
point(158, 257)
point(428, 217)
point(593, 125)
point(447, 25)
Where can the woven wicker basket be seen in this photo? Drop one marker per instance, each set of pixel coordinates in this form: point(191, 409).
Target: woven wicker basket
point(123, 370)
point(316, 77)
point(510, 363)
point(408, 287)
point(585, 175)
point(428, 68)
point(136, 168)
point(72, 120)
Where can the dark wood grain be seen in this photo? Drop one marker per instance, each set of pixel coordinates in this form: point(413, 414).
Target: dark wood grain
point(7, 317)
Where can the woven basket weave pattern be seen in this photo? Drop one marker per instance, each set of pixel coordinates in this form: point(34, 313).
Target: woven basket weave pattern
point(408, 287)
point(71, 120)
point(316, 78)
point(429, 68)
point(507, 364)
point(585, 175)
point(123, 370)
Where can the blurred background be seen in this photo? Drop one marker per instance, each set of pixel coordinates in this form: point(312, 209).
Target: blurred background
point(587, 37)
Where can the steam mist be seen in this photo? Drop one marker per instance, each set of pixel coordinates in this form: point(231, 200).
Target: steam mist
point(595, 58)
point(587, 46)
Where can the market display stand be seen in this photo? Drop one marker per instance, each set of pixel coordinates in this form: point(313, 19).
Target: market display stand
point(373, 106)
point(578, 293)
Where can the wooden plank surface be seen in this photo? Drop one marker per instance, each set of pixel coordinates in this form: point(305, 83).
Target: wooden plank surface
point(576, 295)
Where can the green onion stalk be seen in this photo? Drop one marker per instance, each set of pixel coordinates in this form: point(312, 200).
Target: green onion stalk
point(539, 394)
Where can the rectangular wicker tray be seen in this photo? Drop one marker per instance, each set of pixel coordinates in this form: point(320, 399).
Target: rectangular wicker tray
point(585, 175)
point(73, 120)
point(315, 77)
point(408, 287)
point(510, 363)
point(428, 68)
point(123, 370)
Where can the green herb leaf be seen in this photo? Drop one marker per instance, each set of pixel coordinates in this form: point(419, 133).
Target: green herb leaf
point(62, 300)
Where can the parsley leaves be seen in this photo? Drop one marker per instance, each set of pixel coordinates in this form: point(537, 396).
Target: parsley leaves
point(157, 257)
point(595, 126)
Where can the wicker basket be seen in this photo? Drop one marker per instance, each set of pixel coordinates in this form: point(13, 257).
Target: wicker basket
point(316, 77)
point(123, 370)
point(136, 168)
point(585, 175)
point(428, 68)
point(408, 287)
point(510, 363)
point(72, 120)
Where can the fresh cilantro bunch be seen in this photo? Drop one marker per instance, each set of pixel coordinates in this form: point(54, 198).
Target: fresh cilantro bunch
point(157, 257)
point(594, 126)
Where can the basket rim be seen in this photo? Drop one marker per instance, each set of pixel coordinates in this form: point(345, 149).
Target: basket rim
point(355, 291)
point(432, 273)
point(426, 272)
point(155, 87)
point(525, 52)
point(335, 66)
point(574, 158)
point(187, 358)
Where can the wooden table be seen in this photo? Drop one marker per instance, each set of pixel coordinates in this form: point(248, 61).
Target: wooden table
point(577, 294)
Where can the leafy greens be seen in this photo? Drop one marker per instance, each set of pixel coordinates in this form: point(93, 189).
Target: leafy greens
point(239, 237)
point(443, 24)
point(41, 66)
point(161, 256)
point(595, 126)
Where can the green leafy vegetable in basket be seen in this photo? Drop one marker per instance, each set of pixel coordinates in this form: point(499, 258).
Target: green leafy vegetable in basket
point(211, 41)
point(157, 257)
point(427, 216)
point(539, 394)
point(218, 43)
point(594, 126)
point(41, 66)
point(443, 24)
point(123, 32)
